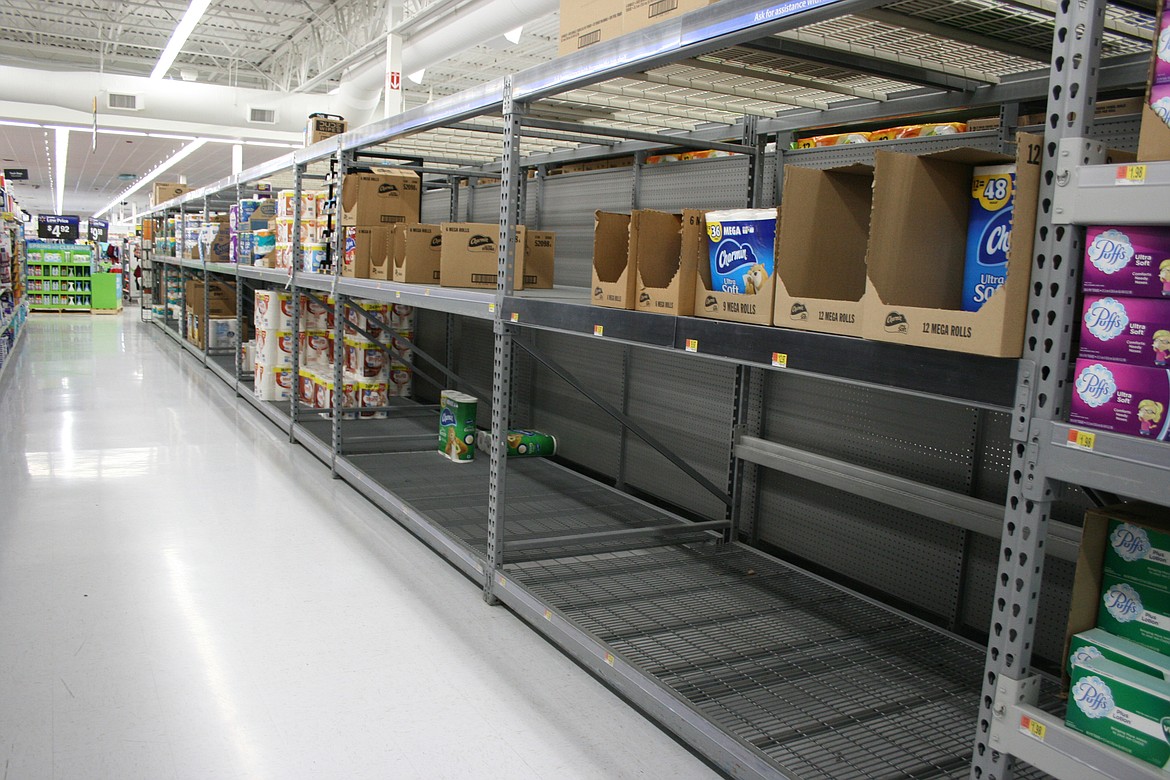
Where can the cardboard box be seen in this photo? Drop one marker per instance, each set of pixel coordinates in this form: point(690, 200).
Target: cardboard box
point(755, 308)
point(321, 127)
point(1127, 260)
point(1130, 400)
point(1090, 569)
point(469, 256)
point(614, 266)
point(1154, 138)
point(587, 23)
point(917, 252)
point(643, 13)
point(1122, 708)
point(220, 303)
point(165, 190)
point(1135, 611)
point(1097, 643)
point(666, 277)
point(415, 254)
point(365, 247)
point(1120, 107)
point(987, 123)
point(820, 249)
point(382, 198)
point(1135, 331)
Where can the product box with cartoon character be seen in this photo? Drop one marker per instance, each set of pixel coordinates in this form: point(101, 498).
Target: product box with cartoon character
point(1121, 398)
point(820, 251)
point(1127, 260)
point(1135, 331)
point(916, 258)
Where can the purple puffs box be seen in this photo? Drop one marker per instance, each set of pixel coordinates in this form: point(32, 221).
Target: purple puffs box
point(1126, 330)
point(1120, 398)
point(1127, 260)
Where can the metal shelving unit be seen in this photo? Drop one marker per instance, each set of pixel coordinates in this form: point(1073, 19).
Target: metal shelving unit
point(765, 668)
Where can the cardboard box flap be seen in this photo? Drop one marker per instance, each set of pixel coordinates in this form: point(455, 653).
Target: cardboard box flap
point(611, 242)
point(824, 232)
point(928, 198)
point(968, 156)
point(656, 238)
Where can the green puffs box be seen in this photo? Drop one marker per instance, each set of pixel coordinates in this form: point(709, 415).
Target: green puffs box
point(1121, 707)
point(1097, 643)
point(1134, 611)
point(1110, 535)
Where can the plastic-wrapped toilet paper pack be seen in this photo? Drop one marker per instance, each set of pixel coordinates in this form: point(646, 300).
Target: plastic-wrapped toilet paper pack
point(273, 310)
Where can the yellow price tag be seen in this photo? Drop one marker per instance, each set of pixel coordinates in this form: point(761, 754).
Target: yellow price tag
point(1082, 439)
point(1131, 174)
point(598, 330)
point(427, 291)
point(609, 658)
point(491, 307)
point(503, 582)
point(548, 614)
point(692, 345)
point(1033, 728)
point(515, 316)
point(779, 360)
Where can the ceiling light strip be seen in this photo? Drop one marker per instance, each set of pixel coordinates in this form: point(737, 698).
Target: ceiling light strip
point(182, 32)
point(160, 169)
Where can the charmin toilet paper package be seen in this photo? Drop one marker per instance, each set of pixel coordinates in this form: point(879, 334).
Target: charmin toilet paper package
point(742, 249)
point(989, 231)
point(1122, 708)
point(273, 310)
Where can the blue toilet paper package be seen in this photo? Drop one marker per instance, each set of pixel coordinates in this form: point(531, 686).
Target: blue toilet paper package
point(742, 249)
point(988, 233)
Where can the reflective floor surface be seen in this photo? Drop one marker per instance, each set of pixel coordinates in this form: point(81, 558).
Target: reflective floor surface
point(184, 594)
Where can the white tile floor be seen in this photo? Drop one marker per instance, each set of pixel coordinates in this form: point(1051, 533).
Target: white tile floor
point(184, 594)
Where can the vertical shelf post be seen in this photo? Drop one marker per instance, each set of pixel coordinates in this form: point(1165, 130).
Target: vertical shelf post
point(502, 338)
point(297, 260)
point(206, 313)
point(337, 238)
point(1040, 389)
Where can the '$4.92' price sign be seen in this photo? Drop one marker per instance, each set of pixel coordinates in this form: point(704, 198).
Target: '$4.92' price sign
point(64, 228)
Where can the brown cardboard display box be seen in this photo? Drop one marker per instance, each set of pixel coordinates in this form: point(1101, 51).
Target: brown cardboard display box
point(415, 254)
point(365, 248)
point(220, 303)
point(165, 190)
point(614, 265)
point(469, 256)
point(820, 248)
point(666, 276)
point(1086, 588)
point(384, 197)
point(1154, 137)
point(917, 251)
point(321, 127)
point(754, 308)
point(643, 13)
point(589, 22)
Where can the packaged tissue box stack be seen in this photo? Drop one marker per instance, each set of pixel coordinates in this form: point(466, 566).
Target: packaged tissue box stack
point(1122, 377)
point(1119, 632)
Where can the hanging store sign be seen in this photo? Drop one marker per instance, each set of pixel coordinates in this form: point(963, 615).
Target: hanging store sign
point(99, 230)
point(67, 228)
point(16, 174)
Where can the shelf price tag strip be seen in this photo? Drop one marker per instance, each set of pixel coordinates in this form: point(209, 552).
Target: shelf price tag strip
point(1128, 175)
point(1033, 728)
point(1082, 440)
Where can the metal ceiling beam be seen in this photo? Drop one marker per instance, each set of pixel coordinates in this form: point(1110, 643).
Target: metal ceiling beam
point(917, 24)
point(763, 74)
point(862, 63)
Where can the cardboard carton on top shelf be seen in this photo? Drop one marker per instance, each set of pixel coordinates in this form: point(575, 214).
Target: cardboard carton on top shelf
point(415, 254)
point(820, 249)
point(165, 190)
point(383, 198)
point(637, 14)
point(321, 127)
point(665, 274)
point(614, 266)
point(365, 248)
point(469, 256)
point(917, 250)
point(754, 308)
point(588, 23)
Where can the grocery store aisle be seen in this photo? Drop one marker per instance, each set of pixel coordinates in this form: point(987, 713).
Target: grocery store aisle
point(184, 594)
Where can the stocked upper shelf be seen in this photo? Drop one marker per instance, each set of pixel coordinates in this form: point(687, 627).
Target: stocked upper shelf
point(791, 65)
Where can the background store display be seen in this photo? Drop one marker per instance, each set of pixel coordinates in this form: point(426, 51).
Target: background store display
point(60, 277)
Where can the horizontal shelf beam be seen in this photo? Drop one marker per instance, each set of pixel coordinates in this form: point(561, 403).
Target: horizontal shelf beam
point(967, 512)
point(1126, 465)
point(572, 540)
point(1104, 195)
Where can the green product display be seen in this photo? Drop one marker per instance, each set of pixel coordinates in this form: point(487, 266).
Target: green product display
point(1135, 611)
point(1121, 707)
point(1139, 555)
point(105, 291)
point(1098, 643)
point(61, 277)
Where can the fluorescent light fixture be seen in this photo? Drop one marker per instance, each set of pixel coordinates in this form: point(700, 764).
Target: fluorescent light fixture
point(417, 76)
point(59, 167)
point(160, 169)
point(179, 37)
point(513, 36)
point(8, 123)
